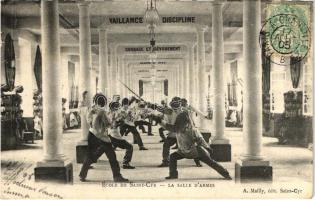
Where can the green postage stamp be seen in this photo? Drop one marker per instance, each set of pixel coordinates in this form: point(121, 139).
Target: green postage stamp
point(286, 32)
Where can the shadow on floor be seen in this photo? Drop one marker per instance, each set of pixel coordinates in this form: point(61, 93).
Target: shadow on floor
point(276, 144)
point(68, 131)
point(24, 147)
point(293, 162)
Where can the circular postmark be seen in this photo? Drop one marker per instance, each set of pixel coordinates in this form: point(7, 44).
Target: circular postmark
point(285, 35)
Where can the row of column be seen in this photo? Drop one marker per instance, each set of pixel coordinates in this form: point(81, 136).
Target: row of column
point(218, 74)
point(52, 118)
point(85, 67)
point(118, 71)
point(110, 74)
point(52, 108)
point(251, 158)
point(252, 83)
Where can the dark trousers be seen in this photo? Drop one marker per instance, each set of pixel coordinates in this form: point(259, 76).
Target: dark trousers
point(161, 130)
point(123, 144)
point(141, 123)
point(203, 155)
point(168, 142)
point(125, 129)
point(155, 119)
point(142, 128)
point(96, 148)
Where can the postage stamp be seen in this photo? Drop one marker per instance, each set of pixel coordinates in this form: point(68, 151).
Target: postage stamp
point(286, 33)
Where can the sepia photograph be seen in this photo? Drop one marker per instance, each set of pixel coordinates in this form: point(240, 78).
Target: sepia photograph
point(157, 99)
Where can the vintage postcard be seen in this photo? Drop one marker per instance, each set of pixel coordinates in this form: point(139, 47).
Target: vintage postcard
point(157, 99)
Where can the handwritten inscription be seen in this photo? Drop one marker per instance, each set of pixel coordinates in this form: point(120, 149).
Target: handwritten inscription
point(18, 182)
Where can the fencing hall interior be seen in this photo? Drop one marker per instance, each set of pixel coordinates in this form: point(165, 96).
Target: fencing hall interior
point(207, 52)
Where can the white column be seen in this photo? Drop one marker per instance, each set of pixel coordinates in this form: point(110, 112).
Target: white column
point(119, 76)
point(173, 75)
point(124, 71)
point(202, 85)
point(128, 78)
point(52, 110)
point(3, 81)
point(177, 81)
point(187, 78)
point(117, 85)
point(252, 125)
point(110, 86)
point(218, 73)
point(115, 64)
point(77, 79)
point(125, 77)
point(134, 84)
point(113, 67)
point(182, 78)
point(18, 70)
point(65, 82)
point(184, 74)
point(196, 69)
point(24, 51)
point(191, 84)
point(85, 64)
point(174, 84)
point(103, 62)
point(93, 79)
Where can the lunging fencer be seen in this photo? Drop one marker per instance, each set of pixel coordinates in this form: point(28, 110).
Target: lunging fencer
point(142, 114)
point(162, 109)
point(169, 117)
point(99, 141)
point(191, 145)
point(129, 113)
point(116, 121)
